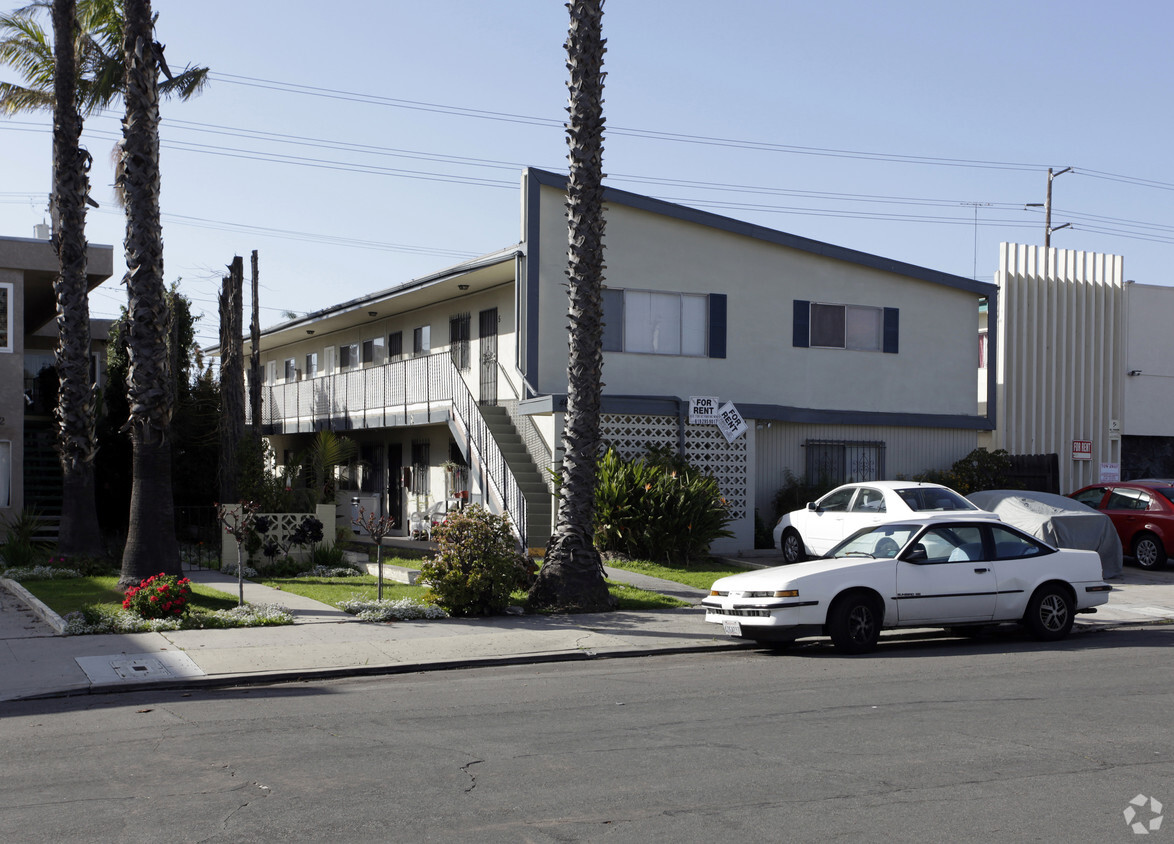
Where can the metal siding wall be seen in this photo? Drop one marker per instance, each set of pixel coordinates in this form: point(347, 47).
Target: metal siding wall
point(1060, 341)
point(908, 451)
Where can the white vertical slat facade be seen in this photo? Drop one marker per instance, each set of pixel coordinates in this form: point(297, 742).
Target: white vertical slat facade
point(1060, 356)
point(908, 451)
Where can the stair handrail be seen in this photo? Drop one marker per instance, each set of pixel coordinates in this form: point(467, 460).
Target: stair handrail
point(493, 463)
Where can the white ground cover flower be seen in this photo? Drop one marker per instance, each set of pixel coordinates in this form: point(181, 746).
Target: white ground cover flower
point(401, 609)
point(326, 571)
point(38, 573)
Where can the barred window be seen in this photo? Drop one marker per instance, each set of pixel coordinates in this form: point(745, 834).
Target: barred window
point(834, 462)
point(421, 458)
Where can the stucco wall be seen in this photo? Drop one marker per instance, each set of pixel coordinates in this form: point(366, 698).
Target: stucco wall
point(1149, 395)
point(933, 372)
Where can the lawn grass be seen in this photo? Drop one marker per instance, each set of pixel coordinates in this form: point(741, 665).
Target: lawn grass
point(331, 590)
point(700, 576)
point(66, 595)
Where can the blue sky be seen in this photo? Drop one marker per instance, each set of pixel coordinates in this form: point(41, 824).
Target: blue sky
point(360, 150)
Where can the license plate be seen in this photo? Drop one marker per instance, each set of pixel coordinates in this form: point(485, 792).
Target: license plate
point(732, 628)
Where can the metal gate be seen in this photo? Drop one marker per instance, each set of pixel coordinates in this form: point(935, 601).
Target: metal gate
point(488, 334)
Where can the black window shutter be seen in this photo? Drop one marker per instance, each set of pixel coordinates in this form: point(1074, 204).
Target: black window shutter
point(717, 325)
point(891, 332)
point(802, 324)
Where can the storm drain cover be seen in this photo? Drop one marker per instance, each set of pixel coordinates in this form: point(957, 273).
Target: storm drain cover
point(138, 668)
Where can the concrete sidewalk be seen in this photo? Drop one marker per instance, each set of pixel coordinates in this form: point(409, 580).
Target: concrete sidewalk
point(325, 642)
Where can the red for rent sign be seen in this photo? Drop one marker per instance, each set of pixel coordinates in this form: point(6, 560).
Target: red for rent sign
point(1082, 450)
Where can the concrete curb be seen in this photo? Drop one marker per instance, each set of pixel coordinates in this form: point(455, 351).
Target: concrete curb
point(311, 674)
point(35, 604)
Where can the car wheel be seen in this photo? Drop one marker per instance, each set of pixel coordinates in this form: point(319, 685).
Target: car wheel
point(1149, 552)
point(792, 547)
point(854, 623)
point(1050, 613)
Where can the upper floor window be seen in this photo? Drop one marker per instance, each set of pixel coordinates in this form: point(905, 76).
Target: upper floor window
point(348, 356)
point(422, 340)
point(982, 349)
point(374, 352)
point(857, 327)
point(312, 365)
point(458, 340)
point(5, 317)
point(660, 323)
point(395, 346)
point(291, 369)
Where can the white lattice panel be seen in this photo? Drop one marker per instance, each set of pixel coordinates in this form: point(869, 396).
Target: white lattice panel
point(705, 448)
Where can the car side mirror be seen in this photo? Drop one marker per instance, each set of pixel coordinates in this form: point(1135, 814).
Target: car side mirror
point(916, 554)
point(811, 505)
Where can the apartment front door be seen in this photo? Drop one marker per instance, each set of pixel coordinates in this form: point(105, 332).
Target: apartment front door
point(488, 334)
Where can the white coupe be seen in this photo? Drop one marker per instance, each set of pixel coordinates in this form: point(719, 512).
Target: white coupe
point(823, 524)
point(933, 571)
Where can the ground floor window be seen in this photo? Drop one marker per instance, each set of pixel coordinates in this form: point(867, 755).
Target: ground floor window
point(834, 462)
point(421, 459)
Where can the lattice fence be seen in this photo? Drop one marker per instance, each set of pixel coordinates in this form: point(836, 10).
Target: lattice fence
point(705, 448)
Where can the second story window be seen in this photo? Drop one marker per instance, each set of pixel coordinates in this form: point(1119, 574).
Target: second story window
point(395, 346)
point(348, 356)
point(422, 340)
point(291, 369)
point(5, 317)
point(312, 365)
point(458, 339)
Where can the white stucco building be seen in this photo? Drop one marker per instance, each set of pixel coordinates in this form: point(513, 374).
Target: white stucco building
point(845, 365)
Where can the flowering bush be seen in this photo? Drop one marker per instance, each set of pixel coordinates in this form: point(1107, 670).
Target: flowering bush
point(94, 620)
point(159, 596)
point(476, 566)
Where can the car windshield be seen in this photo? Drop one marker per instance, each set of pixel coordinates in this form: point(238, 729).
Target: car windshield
point(921, 499)
point(879, 541)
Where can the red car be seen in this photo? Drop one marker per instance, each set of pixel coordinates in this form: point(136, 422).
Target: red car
point(1142, 512)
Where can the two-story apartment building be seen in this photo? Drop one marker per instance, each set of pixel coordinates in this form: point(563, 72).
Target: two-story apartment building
point(845, 365)
point(29, 472)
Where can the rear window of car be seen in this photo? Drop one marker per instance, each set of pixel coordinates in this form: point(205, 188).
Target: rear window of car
point(1168, 494)
point(923, 499)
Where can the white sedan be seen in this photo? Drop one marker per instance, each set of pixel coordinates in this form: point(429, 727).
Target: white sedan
point(823, 524)
point(934, 571)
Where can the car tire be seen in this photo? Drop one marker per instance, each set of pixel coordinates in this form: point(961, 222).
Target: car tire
point(854, 623)
point(1050, 612)
point(1148, 552)
point(792, 547)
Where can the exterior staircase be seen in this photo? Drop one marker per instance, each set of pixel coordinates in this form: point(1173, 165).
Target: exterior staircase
point(539, 502)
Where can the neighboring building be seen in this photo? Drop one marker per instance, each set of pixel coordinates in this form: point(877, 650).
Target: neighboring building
point(847, 366)
point(1085, 366)
point(29, 472)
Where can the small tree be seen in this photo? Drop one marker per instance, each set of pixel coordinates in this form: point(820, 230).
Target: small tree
point(379, 527)
point(241, 523)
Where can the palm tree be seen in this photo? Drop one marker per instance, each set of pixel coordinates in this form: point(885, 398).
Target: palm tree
point(83, 70)
point(572, 578)
point(77, 396)
point(151, 545)
point(101, 65)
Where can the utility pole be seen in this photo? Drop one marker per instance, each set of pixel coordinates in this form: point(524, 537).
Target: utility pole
point(1048, 209)
point(976, 205)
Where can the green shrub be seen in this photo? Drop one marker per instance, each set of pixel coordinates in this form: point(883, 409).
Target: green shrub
point(979, 470)
point(476, 565)
point(657, 508)
point(795, 493)
point(763, 535)
point(20, 548)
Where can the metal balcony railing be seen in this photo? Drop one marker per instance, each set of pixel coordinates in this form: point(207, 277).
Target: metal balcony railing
point(397, 393)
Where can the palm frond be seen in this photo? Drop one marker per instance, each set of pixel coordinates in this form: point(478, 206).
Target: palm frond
point(14, 99)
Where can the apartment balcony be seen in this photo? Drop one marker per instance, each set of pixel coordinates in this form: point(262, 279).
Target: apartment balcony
point(416, 391)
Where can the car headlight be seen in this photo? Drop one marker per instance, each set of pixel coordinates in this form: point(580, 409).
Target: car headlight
point(787, 593)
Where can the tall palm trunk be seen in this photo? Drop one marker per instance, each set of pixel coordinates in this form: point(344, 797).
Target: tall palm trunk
point(572, 576)
point(77, 397)
point(151, 545)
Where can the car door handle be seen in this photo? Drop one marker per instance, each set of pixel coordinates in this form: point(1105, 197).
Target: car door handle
point(981, 571)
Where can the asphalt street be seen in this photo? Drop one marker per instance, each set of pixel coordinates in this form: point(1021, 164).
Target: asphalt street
point(928, 739)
